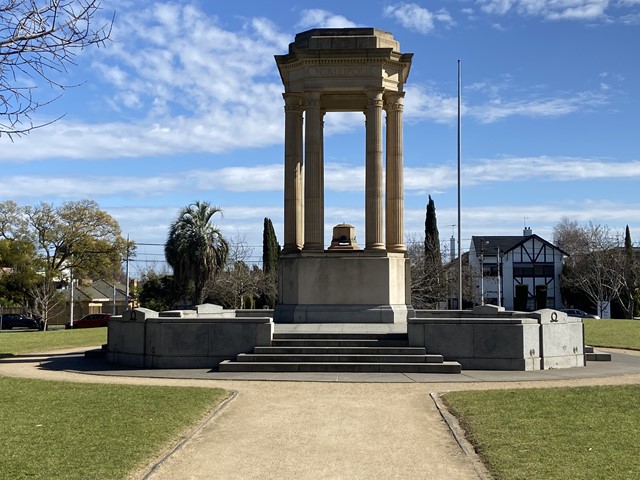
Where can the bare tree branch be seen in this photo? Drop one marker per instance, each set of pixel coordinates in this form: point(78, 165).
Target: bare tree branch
point(39, 39)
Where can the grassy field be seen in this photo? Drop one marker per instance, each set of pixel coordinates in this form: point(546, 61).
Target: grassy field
point(58, 430)
point(612, 333)
point(563, 433)
point(13, 342)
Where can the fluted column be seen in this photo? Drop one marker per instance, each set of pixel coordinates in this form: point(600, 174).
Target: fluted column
point(394, 211)
point(373, 177)
point(314, 175)
point(293, 231)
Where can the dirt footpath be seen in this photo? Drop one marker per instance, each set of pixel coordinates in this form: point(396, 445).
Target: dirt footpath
point(301, 430)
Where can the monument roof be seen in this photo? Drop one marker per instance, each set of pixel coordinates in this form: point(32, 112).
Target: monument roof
point(344, 38)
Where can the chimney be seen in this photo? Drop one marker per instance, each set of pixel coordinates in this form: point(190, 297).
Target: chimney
point(527, 232)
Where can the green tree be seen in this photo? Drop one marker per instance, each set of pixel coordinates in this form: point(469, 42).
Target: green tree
point(77, 235)
point(196, 250)
point(432, 255)
point(18, 271)
point(158, 293)
point(429, 275)
point(72, 239)
point(270, 247)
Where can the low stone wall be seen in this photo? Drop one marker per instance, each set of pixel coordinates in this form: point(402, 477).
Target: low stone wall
point(183, 338)
point(489, 338)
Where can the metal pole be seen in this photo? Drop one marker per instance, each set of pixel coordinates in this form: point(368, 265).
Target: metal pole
point(127, 277)
point(71, 298)
point(459, 220)
point(482, 278)
point(499, 262)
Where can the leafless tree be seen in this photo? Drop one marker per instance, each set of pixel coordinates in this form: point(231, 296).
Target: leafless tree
point(45, 301)
point(429, 279)
point(237, 282)
point(597, 263)
point(39, 40)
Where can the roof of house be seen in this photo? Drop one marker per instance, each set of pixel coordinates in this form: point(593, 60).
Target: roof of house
point(106, 288)
point(86, 293)
point(490, 245)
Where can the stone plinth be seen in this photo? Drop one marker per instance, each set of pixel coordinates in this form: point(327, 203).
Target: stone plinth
point(490, 338)
point(143, 338)
point(343, 286)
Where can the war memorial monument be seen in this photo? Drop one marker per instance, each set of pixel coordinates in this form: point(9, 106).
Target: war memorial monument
point(340, 284)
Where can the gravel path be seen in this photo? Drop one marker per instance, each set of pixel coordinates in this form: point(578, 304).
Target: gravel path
point(303, 430)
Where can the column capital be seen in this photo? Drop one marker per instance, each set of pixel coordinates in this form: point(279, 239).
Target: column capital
point(393, 101)
point(292, 102)
point(312, 99)
point(374, 98)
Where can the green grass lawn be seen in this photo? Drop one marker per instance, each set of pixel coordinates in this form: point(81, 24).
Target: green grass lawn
point(563, 433)
point(612, 333)
point(15, 342)
point(59, 430)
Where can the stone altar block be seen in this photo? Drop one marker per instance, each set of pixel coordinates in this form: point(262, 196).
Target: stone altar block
point(343, 287)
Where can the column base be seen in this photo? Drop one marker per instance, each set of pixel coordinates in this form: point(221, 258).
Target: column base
point(398, 248)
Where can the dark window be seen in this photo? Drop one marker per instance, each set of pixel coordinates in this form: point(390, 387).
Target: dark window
point(535, 270)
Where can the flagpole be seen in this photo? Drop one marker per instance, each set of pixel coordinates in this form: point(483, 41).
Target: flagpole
point(459, 219)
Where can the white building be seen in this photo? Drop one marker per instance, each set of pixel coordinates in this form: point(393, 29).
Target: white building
point(500, 263)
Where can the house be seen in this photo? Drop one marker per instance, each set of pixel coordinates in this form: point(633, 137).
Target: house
point(98, 296)
point(502, 263)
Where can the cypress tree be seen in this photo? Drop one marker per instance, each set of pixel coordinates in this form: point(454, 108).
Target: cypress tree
point(270, 248)
point(630, 274)
point(431, 237)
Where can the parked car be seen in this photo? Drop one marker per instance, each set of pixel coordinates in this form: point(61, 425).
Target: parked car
point(574, 312)
point(16, 320)
point(90, 321)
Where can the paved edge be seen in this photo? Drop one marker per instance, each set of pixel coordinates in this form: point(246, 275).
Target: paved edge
point(459, 435)
point(151, 468)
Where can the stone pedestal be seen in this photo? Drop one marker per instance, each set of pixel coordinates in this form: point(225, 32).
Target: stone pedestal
point(343, 287)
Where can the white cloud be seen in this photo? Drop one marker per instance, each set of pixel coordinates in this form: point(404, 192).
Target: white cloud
point(318, 18)
point(549, 9)
point(339, 177)
point(427, 103)
point(498, 109)
point(417, 18)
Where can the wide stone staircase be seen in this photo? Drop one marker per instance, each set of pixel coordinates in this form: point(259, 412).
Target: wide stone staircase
point(340, 352)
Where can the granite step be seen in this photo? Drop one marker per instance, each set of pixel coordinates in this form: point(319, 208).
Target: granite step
point(342, 350)
point(329, 358)
point(592, 355)
point(337, 342)
point(337, 367)
point(341, 336)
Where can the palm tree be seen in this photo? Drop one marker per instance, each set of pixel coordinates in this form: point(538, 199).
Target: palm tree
point(195, 249)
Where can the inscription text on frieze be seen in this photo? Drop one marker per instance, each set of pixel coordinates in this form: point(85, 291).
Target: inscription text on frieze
point(340, 71)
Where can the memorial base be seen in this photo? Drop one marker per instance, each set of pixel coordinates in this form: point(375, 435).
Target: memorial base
point(344, 287)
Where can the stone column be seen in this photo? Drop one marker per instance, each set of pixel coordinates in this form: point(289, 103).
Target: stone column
point(313, 175)
point(395, 189)
point(373, 176)
point(293, 232)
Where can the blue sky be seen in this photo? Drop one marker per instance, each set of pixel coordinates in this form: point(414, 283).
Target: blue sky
point(184, 103)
